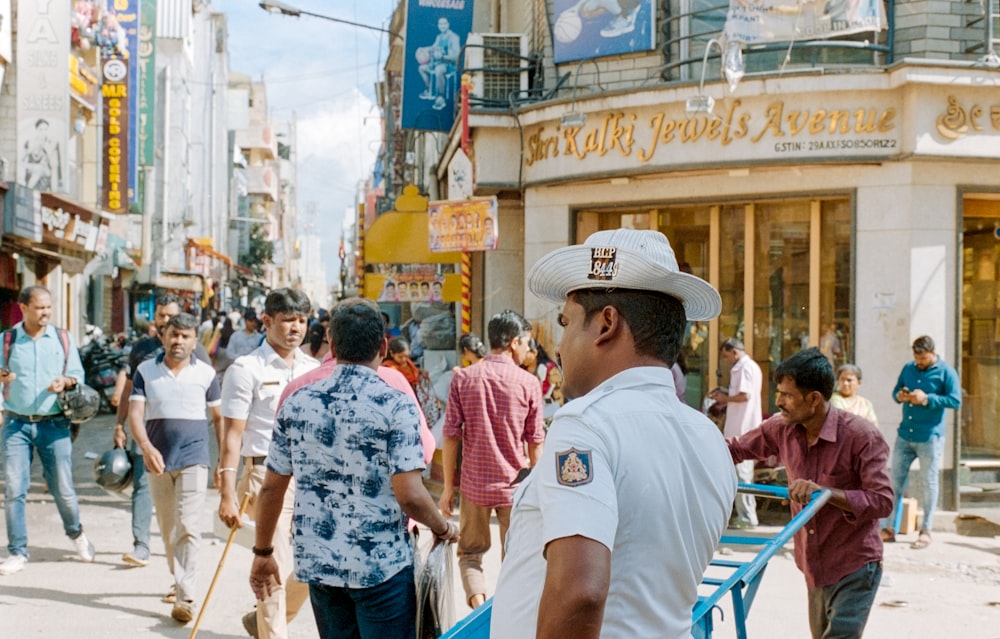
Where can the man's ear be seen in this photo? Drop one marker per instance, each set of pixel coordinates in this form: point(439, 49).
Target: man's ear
point(610, 324)
point(383, 348)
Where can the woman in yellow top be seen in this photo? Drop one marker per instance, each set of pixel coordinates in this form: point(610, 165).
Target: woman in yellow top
point(846, 397)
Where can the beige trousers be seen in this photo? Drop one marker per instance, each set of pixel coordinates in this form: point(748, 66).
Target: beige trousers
point(274, 613)
point(179, 497)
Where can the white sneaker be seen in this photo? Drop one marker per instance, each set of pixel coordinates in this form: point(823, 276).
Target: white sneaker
point(12, 564)
point(84, 548)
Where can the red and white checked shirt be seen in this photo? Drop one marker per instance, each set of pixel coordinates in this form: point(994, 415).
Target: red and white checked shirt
point(494, 407)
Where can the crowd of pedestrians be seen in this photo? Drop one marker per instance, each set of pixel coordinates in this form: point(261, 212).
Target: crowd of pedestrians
point(588, 460)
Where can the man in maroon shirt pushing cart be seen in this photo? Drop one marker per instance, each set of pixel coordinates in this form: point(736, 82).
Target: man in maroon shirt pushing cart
point(840, 549)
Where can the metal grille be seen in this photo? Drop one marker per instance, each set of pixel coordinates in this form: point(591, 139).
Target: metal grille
point(501, 66)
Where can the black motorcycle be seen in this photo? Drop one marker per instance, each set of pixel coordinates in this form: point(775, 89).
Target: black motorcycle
point(102, 359)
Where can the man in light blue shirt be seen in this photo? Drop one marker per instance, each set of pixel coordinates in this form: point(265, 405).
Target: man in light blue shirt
point(35, 369)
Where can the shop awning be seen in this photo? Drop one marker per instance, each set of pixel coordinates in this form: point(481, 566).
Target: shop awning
point(403, 237)
point(181, 282)
point(204, 246)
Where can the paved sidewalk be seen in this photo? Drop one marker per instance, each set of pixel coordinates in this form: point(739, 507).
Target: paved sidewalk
point(951, 589)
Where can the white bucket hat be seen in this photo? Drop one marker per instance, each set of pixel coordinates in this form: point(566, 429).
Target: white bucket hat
point(623, 259)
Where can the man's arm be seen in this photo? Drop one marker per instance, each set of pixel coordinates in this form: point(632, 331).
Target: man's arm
point(449, 462)
point(136, 421)
point(577, 579)
point(229, 458)
point(535, 453)
point(754, 444)
point(264, 570)
point(121, 416)
point(418, 504)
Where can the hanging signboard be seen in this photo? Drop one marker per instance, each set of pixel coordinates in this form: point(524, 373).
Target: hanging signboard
point(463, 225)
point(114, 92)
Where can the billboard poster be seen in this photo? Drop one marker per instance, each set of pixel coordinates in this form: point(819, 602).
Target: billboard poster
point(463, 225)
point(436, 31)
point(5, 32)
point(758, 21)
point(125, 13)
point(584, 29)
point(43, 95)
point(115, 159)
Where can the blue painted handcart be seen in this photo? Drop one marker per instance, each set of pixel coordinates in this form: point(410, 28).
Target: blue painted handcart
point(741, 582)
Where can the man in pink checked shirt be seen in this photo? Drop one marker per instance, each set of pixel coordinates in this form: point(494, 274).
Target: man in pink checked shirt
point(495, 411)
point(391, 377)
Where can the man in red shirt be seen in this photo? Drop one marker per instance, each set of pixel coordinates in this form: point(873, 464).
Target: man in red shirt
point(495, 411)
point(840, 549)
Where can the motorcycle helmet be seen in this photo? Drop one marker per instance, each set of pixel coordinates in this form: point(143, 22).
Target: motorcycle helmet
point(113, 470)
point(80, 403)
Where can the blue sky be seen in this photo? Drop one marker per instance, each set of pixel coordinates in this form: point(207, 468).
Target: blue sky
point(325, 73)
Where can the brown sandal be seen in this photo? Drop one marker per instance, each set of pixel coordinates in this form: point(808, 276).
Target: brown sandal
point(888, 535)
point(923, 540)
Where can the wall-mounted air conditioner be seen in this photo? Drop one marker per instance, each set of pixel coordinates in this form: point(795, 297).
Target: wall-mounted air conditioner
point(498, 65)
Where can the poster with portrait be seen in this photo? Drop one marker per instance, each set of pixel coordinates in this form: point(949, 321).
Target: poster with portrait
point(43, 95)
point(463, 225)
point(414, 282)
point(757, 21)
point(436, 31)
point(584, 29)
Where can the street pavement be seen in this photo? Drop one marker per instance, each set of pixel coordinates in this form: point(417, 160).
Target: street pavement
point(950, 589)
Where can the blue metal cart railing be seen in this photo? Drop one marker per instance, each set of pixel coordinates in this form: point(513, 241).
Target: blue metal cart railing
point(741, 584)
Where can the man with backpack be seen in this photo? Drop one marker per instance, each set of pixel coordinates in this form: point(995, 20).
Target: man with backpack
point(39, 362)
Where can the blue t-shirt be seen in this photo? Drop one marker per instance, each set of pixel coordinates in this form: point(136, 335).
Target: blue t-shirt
point(176, 419)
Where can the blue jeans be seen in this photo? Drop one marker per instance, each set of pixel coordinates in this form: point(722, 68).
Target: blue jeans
point(142, 500)
point(840, 611)
point(385, 611)
point(929, 453)
point(55, 450)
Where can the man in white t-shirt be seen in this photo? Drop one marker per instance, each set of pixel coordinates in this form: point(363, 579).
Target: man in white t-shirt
point(611, 532)
point(743, 414)
point(250, 392)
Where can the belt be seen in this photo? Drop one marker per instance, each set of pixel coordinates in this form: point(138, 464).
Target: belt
point(256, 461)
point(33, 418)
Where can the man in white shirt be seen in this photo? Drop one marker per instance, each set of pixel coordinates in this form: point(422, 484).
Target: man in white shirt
point(611, 532)
point(743, 414)
point(250, 392)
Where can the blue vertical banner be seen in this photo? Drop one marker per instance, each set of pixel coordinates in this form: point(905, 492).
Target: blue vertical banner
point(436, 31)
point(128, 20)
point(584, 29)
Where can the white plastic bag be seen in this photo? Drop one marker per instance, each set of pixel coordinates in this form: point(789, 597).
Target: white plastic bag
point(435, 602)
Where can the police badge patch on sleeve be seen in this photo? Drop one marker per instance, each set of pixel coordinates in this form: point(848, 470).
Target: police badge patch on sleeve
point(573, 467)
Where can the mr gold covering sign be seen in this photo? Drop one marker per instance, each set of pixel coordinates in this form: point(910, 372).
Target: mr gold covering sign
point(114, 92)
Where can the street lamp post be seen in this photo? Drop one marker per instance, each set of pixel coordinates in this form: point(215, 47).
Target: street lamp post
point(274, 6)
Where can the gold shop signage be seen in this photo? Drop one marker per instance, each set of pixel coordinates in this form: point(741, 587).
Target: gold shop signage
point(958, 121)
point(771, 130)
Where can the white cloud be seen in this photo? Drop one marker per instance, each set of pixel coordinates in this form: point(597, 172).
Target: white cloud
point(325, 73)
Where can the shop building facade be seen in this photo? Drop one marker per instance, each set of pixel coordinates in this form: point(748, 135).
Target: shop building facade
point(854, 205)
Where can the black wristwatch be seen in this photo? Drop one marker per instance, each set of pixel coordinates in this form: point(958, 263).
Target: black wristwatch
point(263, 552)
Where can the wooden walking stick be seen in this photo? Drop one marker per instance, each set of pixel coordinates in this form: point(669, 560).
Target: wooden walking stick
point(218, 570)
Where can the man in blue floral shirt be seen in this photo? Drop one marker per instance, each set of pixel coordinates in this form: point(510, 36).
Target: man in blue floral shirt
point(353, 445)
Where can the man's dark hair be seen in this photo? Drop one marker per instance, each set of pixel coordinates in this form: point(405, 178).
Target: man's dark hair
point(923, 344)
point(182, 321)
point(810, 370)
point(286, 300)
point(657, 320)
point(732, 344)
point(504, 327)
point(166, 299)
point(356, 330)
point(28, 292)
